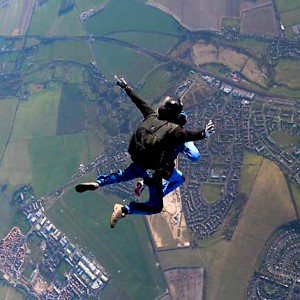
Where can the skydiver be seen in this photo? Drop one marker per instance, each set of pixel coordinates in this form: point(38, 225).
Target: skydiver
point(173, 136)
point(175, 179)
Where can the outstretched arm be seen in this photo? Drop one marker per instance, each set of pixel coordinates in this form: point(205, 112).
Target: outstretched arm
point(142, 105)
point(145, 109)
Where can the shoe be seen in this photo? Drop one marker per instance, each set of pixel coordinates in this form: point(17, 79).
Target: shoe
point(117, 214)
point(86, 186)
point(139, 188)
point(109, 179)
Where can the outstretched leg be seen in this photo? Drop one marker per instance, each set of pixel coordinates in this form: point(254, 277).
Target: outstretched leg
point(131, 172)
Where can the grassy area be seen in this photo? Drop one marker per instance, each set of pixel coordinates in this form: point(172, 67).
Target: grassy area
point(180, 258)
point(285, 92)
point(55, 159)
point(148, 40)
point(71, 110)
point(41, 110)
point(116, 59)
point(288, 72)
point(296, 194)
point(230, 265)
point(70, 74)
point(211, 191)
point(250, 169)
point(43, 19)
point(156, 84)
point(9, 293)
point(285, 138)
point(161, 227)
point(125, 252)
point(69, 24)
point(286, 5)
point(231, 23)
point(291, 17)
point(9, 17)
point(77, 51)
point(138, 16)
point(7, 113)
point(84, 5)
point(15, 168)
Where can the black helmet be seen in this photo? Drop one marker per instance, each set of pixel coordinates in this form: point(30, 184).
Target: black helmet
point(173, 106)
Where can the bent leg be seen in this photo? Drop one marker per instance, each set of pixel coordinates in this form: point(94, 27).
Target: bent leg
point(173, 182)
point(155, 202)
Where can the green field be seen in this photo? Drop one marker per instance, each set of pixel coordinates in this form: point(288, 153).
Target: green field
point(249, 172)
point(38, 116)
point(285, 138)
point(15, 168)
point(84, 5)
point(77, 51)
point(71, 118)
point(69, 24)
point(44, 18)
point(115, 59)
point(9, 17)
point(230, 265)
point(55, 160)
point(211, 192)
point(296, 194)
point(155, 42)
point(9, 293)
point(287, 72)
point(156, 84)
point(291, 17)
point(7, 113)
point(181, 258)
point(286, 5)
point(252, 45)
point(138, 16)
point(125, 252)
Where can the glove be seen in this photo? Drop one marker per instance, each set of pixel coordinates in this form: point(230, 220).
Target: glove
point(209, 128)
point(120, 81)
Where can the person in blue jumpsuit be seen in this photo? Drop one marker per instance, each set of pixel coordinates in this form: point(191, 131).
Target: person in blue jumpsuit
point(176, 137)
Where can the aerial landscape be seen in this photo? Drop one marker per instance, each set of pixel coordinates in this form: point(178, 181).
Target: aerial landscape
point(232, 230)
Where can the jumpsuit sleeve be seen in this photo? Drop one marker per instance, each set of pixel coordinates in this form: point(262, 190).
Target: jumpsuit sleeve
point(144, 108)
point(180, 136)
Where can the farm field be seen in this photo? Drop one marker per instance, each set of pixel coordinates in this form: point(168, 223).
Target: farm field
point(230, 265)
point(260, 21)
point(9, 17)
point(163, 43)
point(56, 157)
point(9, 293)
point(7, 113)
point(42, 109)
point(138, 17)
point(207, 53)
point(77, 51)
point(69, 24)
point(115, 59)
point(287, 72)
point(156, 83)
point(83, 5)
point(43, 19)
point(287, 5)
point(251, 166)
point(116, 248)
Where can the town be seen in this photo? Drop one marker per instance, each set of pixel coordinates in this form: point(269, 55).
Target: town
point(84, 275)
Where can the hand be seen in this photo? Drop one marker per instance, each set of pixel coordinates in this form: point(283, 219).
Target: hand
point(209, 128)
point(120, 81)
